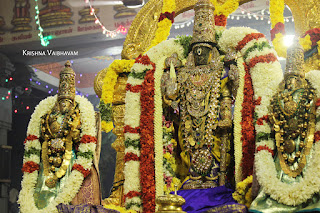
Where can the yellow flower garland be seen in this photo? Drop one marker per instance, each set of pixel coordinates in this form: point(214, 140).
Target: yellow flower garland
point(276, 16)
point(279, 46)
point(306, 42)
point(225, 9)
point(243, 192)
point(109, 82)
point(276, 12)
point(164, 26)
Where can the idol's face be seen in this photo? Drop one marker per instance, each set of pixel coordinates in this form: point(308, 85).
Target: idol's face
point(65, 105)
point(202, 55)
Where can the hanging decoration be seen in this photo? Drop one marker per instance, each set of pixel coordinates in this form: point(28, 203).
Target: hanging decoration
point(43, 39)
point(221, 12)
point(105, 31)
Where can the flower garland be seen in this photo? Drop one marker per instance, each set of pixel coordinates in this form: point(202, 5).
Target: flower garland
point(237, 120)
point(158, 55)
point(265, 71)
point(132, 130)
point(310, 41)
point(31, 159)
point(169, 161)
point(109, 82)
point(277, 25)
point(221, 12)
point(142, 118)
point(166, 20)
point(147, 165)
point(290, 194)
point(243, 191)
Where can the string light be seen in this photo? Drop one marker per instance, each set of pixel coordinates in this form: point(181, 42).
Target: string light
point(43, 39)
point(108, 33)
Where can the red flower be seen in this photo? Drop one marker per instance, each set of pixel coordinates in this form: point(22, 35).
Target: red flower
point(167, 15)
point(134, 89)
point(88, 139)
point(30, 167)
point(318, 103)
point(262, 59)
point(143, 60)
point(147, 170)
point(278, 28)
point(131, 130)
point(314, 35)
point(264, 118)
point(259, 148)
point(131, 156)
point(80, 168)
point(220, 20)
point(131, 194)
point(317, 136)
point(247, 38)
point(30, 138)
point(248, 131)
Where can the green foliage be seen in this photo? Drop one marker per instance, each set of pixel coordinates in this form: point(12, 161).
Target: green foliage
point(32, 151)
point(185, 42)
point(106, 111)
point(258, 46)
point(262, 136)
point(88, 155)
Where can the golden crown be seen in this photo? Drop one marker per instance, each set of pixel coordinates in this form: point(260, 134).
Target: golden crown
point(295, 60)
point(67, 89)
point(204, 26)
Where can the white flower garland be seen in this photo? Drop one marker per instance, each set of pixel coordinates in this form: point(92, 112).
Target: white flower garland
point(74, 181)
point(132, 115)
point(297, 193)
point(265, 77)
point(158, 54)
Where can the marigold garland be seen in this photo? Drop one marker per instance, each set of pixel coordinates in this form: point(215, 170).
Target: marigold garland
point(310, 40)
point(109, 82)
point(277, 20)
point(243, 191)
point(248, 131)
point(221, 12)
point(306, 42)
point(147, 142)
point(165, 22)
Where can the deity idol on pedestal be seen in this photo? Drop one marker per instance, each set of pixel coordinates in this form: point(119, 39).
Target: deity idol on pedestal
point(62, 151)
point(201, 93)
point(175, 121)
point(288, 170)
